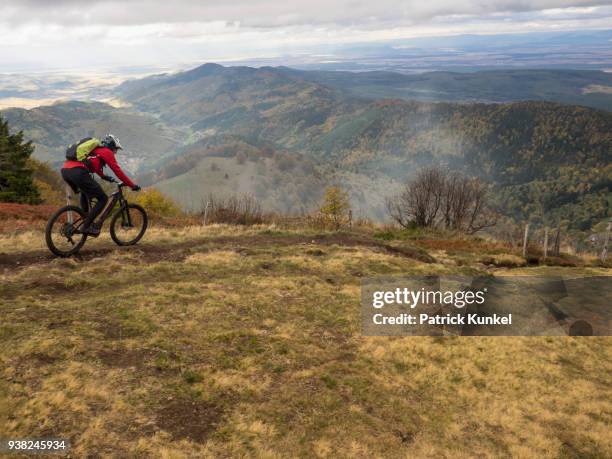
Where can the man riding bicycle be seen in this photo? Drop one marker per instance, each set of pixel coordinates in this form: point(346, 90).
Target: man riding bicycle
point(78, 174)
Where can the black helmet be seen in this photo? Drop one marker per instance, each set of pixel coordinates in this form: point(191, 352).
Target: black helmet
point(112, 142)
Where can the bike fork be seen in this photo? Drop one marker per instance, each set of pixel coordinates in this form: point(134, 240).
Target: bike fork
point(126, 218)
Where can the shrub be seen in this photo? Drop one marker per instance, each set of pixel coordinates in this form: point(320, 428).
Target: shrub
point(156, 203)
point(49, 194)
point(238, 209)
point(504, 260)
point(51, 187)
point(336, 206)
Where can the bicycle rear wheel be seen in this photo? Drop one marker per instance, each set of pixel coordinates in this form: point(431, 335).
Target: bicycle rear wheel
point(129, 225)
point(62, 232)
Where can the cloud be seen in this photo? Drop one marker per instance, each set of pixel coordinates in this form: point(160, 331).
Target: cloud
point(266, 13)
point(64, 33)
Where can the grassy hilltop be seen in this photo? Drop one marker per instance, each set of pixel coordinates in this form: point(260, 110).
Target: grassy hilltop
point(224, 341)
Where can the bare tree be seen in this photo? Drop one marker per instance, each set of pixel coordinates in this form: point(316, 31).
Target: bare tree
point(480, 216)
point(439, 198)
point(420, 200)
point(397, 210)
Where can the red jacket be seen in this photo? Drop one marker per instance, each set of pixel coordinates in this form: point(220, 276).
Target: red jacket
point(103, 156)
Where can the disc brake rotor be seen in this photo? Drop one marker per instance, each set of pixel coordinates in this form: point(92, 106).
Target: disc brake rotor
point(67, 231)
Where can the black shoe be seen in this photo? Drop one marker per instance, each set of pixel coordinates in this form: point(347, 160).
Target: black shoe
point(93, 230)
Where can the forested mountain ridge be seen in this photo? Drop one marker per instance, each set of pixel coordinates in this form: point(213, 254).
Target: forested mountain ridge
point(591, 88)
point(504, 143)
point(270, 105)
point(51, 128)
point(271, 132)
point(547, 160)
point(212, 96)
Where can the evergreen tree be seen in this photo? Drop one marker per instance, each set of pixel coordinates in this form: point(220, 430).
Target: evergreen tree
point(16, 183)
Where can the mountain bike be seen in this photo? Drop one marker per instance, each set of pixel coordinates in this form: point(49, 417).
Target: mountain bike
point(64, 233)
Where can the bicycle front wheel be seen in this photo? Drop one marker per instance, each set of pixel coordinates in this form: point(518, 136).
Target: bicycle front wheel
point(129, 225)
point(62, 233)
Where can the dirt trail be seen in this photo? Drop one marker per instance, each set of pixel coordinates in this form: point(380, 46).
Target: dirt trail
point(178, 251)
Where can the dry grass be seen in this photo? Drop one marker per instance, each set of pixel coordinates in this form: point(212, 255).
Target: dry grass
point(33, 239)
point(245, 349)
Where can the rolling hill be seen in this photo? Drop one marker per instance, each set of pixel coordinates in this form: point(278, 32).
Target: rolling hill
point(52, 128)
point(280, 135)
point(530, 150)
point(215, 83)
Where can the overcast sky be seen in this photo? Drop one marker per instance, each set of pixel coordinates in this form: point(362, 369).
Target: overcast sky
point(41, 34)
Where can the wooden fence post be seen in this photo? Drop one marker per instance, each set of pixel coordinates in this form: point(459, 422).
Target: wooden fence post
point(525, 239)
point(604, 251)
point(206, 212)
point(557, 244)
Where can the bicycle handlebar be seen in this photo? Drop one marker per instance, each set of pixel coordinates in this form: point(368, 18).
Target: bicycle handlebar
point(114, 180)
point(120, 184)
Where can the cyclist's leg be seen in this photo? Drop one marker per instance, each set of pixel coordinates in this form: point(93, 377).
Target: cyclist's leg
point(93, 190)
point(90, 189)
point(84, 202)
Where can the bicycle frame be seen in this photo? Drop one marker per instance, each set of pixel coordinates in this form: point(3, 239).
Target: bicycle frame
point(116, 197)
